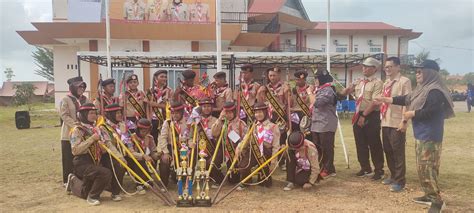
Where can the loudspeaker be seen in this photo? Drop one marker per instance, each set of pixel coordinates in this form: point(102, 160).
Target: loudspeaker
point(22, 119)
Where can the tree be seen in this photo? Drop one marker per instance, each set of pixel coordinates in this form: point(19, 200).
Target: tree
point(44, 60)
point(468, 78)
point(23, 94)
point(9, 74)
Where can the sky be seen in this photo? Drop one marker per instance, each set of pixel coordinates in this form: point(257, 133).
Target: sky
point(447, 27)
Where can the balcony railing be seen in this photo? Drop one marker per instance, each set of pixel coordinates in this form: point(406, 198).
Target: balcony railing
point(259, 22)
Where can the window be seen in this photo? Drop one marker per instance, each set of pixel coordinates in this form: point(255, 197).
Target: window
point(323, 47)
point(173, 76)
point(341, 49)
point(118, 75)
point(356, 49)
point(375, 49)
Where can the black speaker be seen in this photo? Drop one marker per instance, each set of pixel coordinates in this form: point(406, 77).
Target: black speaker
point(22, 119)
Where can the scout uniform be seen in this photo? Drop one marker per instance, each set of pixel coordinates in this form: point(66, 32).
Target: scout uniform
point(69, 106)
point(91, 174)
point(196, 92)
point(133, 111)
point(134, 10)
point(248, 93)
point(221, 94)
point(300, 99)
point(179, 12)
point(157, 10)
point(303, 166)
point(367, 138)
point(234, 126)
point(159, 95)
point(165, 140)
point(264, 143)
point(199, 12)
point(107, 99)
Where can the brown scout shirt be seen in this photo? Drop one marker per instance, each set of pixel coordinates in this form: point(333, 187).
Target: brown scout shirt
point(81, 140)
point(222, 95)
point(130, 110)
point(372, 89)
point(166, 138)
point(394, 114)
point(271, 131)
point(68, 111)
point(249, 92)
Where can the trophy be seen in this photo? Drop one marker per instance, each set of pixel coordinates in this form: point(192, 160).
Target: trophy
point(184, 172)
point(202, 178)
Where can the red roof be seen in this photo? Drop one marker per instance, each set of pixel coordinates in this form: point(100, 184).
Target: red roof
point(357, 26)
point(42, 87)
point(266, 6)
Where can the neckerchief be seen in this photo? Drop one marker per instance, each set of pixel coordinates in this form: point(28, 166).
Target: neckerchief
point(387, 92)
point(356, 115)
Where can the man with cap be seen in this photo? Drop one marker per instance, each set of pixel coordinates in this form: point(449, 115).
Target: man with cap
point(248, 90)
point(160, 95)
point(221, 93)
point(143, 138)
point(132, 100)
point(90, 176)
point(114, 126)
point(134, 10)
point(205, 121)
point(324, 121)
point(303, 167)
point(302, 91)
point(108, 90)
point(393, 128)
point(189, 89)
point(69, 106)
point(265, 142)
point(165, 139)
point(236, 129)
point(428, 105)
point(366, 120)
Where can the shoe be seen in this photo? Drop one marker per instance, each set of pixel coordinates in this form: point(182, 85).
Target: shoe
point(214, 186)
point(332, 174)
point(377, 176)
point(425, 200)
point(396, 187)
point(68, 184)
point(387, 181)
point(324, 174)
point(116, 198)
point(241, 188)
point(140, 190)
point(363, 173)
point(289, 187)
point(92, 201)
point(437, 207)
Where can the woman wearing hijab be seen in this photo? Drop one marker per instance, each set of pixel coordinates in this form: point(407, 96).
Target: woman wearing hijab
point(324, 122)
point(427, 106)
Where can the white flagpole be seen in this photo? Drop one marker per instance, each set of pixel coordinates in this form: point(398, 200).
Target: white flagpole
point(218, 35)
point(107, 38)
point(328, 67)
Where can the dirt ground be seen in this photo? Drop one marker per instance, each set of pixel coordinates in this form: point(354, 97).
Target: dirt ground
point(30, 178)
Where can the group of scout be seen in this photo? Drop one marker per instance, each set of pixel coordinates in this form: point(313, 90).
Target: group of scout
point(138, 128)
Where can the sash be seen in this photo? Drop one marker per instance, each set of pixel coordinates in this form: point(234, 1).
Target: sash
point(156, 110)
point(247, 108)
point(136, 106)
point(210, 149)
point(303, 105)
point(94, 149)
point(258, 156)
point(111, 132)
point(188, 98)
point(275, 105)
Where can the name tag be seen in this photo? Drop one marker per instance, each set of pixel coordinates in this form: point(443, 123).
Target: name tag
point(233, 136)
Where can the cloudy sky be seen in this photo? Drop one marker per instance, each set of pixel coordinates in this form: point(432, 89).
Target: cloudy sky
point(447, 26)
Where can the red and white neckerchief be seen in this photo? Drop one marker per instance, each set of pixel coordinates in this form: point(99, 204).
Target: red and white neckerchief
point(205, 123)
point(387, 92)
point(177, 127)
point(108, 100)
point(176, 12)
point(220, 90)
point(359, 100)
point(136, 94)
point(246, 88)
point(302, 92)
point(159, 92)
point(260, 132)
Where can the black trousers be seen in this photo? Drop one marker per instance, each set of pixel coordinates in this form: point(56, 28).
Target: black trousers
point(394, 148)
point(369, 144)
point(91, 179)
point(66, 155)
point(155, 130)
point(324, 142)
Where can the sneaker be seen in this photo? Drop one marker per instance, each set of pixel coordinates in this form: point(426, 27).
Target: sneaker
point(140, 190)
point(324, 174)
point(396, 187)
point(215, 186)
point(363, 173)
point(289, 187)
point(68, 184)
point(332, 174)
point(437, 207)
point(425, 200)
point(92, 201)
point(377, 176)
point(387, 181)
point(241, 188)
point(116, 198)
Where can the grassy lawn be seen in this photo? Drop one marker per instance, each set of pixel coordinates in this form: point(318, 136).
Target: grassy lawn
point(30, 176)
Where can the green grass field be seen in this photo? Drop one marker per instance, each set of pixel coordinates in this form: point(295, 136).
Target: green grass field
point(30, 175)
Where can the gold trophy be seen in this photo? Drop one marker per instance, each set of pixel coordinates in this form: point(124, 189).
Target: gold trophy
point(185, 187)
point(202, 178)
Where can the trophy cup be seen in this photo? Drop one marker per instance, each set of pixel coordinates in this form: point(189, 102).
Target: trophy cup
point(202, 178)
point(185, 198)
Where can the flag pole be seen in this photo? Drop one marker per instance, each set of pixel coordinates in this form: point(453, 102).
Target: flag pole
point(218, 35)
point(107, 38)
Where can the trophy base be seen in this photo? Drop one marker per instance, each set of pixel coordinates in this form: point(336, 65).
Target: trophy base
point(203, 202)
point(184, 203)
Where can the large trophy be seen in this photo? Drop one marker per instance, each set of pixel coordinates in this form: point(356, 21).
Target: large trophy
point(184, 174)
point(202, 178)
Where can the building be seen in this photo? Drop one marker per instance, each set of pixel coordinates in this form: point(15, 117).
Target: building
point(43, 92)
point(247, 26)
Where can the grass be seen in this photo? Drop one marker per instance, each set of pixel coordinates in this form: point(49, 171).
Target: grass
point(31, 162)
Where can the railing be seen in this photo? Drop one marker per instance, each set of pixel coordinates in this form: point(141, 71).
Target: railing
point(248, 18)
point(285, 47)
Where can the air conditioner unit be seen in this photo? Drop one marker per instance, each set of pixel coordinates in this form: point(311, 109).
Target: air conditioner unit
point(369, 42)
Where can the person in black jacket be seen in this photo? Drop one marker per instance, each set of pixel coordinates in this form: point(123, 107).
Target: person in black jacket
point(427, 106)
